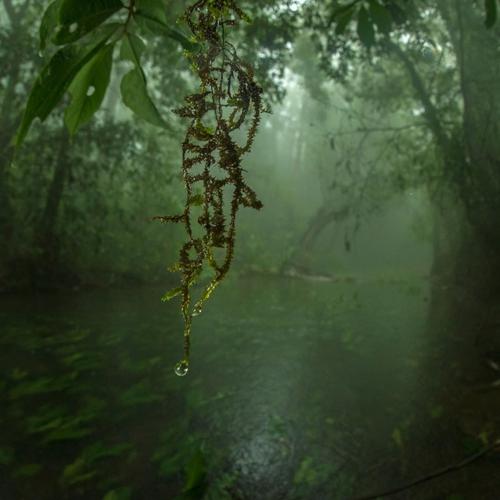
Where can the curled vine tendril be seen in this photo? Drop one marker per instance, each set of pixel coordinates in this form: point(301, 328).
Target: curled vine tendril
point(211, 157)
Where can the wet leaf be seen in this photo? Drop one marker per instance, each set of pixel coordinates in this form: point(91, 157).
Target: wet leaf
point(135, 96)
point(88, 89)
point(55, 78)
point(77, 18)
point(49, 23)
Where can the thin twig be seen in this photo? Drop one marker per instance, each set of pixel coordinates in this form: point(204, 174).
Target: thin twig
point(434, 475)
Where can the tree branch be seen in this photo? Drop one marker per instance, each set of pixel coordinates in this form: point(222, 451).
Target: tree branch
point(430, 112)
point(440, 472)
point(11, 12)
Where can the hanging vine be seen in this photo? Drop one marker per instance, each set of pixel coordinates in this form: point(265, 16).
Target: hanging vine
point(214, 180)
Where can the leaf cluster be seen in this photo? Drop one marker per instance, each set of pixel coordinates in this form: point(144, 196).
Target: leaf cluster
point(83, 37)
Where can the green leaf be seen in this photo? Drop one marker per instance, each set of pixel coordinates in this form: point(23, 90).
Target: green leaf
point(343, 19)
point(55, 78)
point(365, 30)
point(171, 294)
point(89, 88)
point(153, 8)
point(135, 97)
point(157, 26)
point(50, 21)
point(77, 17)
point(381, 17)
point(131, 50)
point(491, 12)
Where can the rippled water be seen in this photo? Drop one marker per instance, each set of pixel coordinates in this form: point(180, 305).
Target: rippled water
point(297, 389)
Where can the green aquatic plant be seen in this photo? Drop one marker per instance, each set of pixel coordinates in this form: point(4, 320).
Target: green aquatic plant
point(211, 157)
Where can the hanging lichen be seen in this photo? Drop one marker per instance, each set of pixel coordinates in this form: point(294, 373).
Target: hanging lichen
point(211, 157)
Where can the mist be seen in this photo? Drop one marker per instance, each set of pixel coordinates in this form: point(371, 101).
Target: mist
point(316, 316)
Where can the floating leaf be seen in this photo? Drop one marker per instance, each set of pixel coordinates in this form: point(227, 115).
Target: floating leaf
point(89, 88)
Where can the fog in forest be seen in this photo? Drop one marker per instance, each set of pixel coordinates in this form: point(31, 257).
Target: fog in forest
point(351, 346)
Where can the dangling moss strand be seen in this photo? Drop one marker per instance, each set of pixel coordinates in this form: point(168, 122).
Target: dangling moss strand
point(227, 95)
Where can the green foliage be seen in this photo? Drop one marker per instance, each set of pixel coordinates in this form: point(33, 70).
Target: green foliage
point(196, 477)
point(56, 77)
point(378, 16)
point(85, 60)
point(491, 13)
point(84, 466)
point(365, 29)
point(88, 89)
point(77, 18)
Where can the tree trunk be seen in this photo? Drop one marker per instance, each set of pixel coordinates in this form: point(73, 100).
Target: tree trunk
point(476, 49)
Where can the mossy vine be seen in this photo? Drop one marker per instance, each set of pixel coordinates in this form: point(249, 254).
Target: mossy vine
point(227, 98)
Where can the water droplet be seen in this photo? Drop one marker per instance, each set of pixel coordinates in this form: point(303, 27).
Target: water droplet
point(196, 311)
point(73, 27)
point(90, 90)
point(40, 53)
point(181, 368)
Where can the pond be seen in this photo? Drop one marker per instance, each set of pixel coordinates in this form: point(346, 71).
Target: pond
point(298, 389)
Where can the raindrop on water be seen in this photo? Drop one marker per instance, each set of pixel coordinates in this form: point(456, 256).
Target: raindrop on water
point(181, 368)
